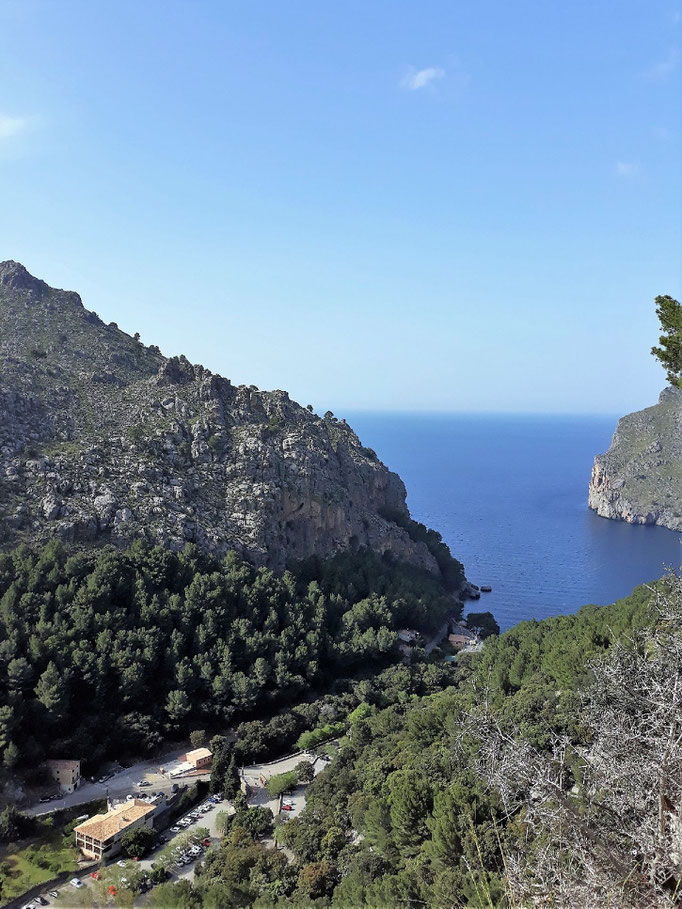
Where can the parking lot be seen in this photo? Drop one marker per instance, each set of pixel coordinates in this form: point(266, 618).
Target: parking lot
point(206, 820)
point(93, 892)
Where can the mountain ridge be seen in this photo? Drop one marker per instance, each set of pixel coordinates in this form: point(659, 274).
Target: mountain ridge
point(103, 439)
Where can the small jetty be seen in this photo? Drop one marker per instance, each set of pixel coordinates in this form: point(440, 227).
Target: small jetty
point(486, 588)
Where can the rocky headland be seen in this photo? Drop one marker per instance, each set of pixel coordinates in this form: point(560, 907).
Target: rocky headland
point(639, 479)
point(103, 439)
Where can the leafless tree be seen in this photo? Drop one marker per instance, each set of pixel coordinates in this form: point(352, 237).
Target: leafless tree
point(602, 822)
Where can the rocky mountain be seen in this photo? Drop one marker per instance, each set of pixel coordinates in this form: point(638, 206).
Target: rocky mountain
point(104, 439)
point(639, 479)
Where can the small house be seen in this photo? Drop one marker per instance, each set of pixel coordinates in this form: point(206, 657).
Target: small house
point(66, 773)
point(200, 758)
point(461, 636)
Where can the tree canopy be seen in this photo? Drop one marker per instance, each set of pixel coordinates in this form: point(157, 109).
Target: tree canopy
point(669, 312)
point(106, 652)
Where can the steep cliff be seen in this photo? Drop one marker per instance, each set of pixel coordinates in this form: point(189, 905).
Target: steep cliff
point(639, 479)
point(103, 438)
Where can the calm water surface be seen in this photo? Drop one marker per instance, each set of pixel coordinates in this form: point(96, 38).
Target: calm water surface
point(509, 496)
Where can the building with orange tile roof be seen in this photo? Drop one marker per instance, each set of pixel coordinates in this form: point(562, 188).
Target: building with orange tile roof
point(100, 836)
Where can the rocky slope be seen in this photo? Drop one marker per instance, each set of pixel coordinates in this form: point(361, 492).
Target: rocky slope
point(105, 439)
point(639, 479)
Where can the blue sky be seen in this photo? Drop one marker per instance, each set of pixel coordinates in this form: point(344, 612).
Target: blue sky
point(375, 205)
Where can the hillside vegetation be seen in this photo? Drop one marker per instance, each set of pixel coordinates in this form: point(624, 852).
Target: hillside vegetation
point(105, 652)
point(550, 776)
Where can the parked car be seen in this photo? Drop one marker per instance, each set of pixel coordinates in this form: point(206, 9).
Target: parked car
point(206, 843)
point(76, 883)
point(42, 901)
point(53, 893)
point(94, 875)
point(121, 863)
point(30, 906)
point(175, 830)
point(162, 838)
point(287, 808)
point(174, 787)
point(143, 783)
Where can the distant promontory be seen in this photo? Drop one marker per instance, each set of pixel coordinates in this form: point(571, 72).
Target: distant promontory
point(639, 479)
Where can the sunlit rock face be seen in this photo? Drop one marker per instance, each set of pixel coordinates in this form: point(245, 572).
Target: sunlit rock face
point(104, 439)
point(639, 479)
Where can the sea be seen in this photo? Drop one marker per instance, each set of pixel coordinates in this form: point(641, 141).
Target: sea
point(509, 496)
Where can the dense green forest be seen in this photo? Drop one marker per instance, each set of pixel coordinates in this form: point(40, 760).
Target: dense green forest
point(541, 777)
point(105, 652)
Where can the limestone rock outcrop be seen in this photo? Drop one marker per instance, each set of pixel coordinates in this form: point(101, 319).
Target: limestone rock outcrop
point(639, 479)
point(104, 439)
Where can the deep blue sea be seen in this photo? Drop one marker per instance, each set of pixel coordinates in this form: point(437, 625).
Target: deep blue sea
point(509, 496)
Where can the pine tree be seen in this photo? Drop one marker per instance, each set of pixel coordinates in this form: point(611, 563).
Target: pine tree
point(443, 823)
point(410, 802)
point(232, 783)
point(51, 691)
point(669, 313)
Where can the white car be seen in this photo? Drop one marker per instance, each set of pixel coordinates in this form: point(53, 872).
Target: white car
point(76, 883)
point(175, 830)
point(121, 864)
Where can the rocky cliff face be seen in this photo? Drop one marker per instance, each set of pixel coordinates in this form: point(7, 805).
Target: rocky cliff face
point(104, 439)
point(639, 479)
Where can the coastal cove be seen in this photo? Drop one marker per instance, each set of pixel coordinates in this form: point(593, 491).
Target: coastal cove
point(509, 495)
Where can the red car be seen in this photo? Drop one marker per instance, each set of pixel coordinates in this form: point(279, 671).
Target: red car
point(205, 842)
point(287, 807)
point(94, 875)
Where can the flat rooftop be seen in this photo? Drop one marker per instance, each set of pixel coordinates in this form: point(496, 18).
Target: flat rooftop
point(198, 754)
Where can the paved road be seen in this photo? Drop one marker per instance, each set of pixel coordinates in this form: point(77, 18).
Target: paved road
point(122, 783)
point(438, 637)
point(253, 775)
point(126, 779)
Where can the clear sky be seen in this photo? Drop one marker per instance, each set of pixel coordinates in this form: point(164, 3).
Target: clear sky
point(374, 204)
